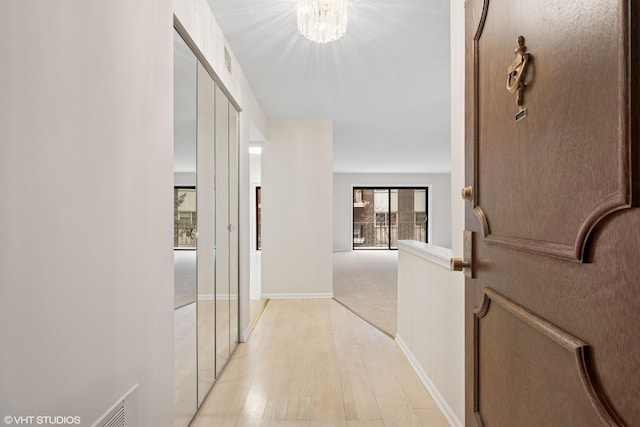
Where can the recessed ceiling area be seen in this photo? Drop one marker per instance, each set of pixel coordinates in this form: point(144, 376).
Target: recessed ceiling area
point(385, 84)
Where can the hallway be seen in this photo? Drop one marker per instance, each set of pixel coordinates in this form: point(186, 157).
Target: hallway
point(313, 363)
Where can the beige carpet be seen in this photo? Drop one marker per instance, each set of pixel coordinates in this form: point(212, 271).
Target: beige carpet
point(366, 282)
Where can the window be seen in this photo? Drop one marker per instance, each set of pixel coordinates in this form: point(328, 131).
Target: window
point(184, 218)
point(382, 216)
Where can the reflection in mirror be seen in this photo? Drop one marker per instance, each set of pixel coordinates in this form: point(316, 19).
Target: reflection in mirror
point(184, 237)
point(206, 234)
point(185, 241)
point(222, 222)
point(185, 218)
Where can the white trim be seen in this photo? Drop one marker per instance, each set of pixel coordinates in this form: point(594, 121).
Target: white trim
point(431, 388)
point(246, 334)
point(437, 255)
point(298, 296)
point(211, 297)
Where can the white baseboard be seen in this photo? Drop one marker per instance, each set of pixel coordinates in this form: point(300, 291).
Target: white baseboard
point(246, 334)
point(298, 296)
point(448, 413)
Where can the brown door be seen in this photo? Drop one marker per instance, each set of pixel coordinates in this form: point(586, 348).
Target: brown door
point(553, 308)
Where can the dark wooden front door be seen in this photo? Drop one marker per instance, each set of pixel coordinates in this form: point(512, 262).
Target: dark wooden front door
point(553, 308)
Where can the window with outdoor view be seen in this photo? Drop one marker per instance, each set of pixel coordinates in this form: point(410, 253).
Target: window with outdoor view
point(382, 216)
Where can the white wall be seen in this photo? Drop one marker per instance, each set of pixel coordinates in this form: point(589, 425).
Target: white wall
point(86, 268)
point(457, 127)
point(439, 203)
point(86, 260)
point(431, 323)
point(297, 162)
point(198, 20)
point(430, 298)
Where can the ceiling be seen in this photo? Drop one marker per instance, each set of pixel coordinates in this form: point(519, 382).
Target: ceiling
point(385, 84)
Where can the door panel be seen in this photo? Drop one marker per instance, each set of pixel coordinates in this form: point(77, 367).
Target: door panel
point(572, 103)
point(552, 324)
point(536, 350)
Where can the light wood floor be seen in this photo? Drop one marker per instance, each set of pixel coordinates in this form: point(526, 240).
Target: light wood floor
point(314, 363)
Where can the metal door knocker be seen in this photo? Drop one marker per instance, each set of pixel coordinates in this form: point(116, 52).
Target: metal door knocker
point(518, 70)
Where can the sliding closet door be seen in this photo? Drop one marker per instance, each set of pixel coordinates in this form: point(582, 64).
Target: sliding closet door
point(206, 233)
point(185, 232)
point(222, 226)
point(234, 250)
point(206, 190)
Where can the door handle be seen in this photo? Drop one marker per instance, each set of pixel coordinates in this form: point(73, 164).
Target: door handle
point(518, 70)
point(467, 193)
point(458, 264)
point(464, 264)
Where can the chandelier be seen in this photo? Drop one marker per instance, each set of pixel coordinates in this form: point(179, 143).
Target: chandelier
point(322, 21)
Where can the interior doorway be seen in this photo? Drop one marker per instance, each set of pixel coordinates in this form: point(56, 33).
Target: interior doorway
point(384, 215)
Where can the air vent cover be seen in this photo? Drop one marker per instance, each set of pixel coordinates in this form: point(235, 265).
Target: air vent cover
point(117, 419)
point(123, 413)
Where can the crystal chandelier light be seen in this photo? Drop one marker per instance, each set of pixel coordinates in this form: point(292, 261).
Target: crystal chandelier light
point(322, 21)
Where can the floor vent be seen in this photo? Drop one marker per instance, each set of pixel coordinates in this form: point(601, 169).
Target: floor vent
point(124, 413)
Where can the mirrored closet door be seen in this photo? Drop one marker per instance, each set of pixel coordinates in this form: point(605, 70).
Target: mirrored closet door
point(222, 239)
point(227, 258)
point(234, 236)
point(185, 230)
point(205, 231)
point(206, 234)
